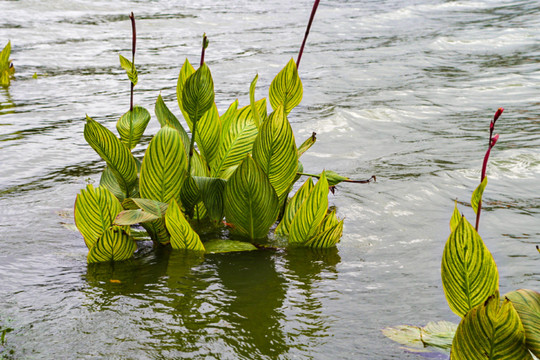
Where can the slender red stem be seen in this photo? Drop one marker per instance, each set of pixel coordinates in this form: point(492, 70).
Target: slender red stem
point(133, 45)
point(312, 16)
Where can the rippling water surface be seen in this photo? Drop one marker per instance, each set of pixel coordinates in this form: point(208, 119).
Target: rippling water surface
point(401, 89)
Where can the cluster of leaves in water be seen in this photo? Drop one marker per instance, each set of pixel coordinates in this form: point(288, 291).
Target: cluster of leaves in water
point(491, 327)
point(241, 171)
point(6, 66)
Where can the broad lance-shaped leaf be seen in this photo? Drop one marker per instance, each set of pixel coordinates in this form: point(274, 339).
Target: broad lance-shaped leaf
point(328, 234)
point(477, 195)
point(208, 134)
point(162, 174)
point(131, 126)
point(455, 219)
point(183, 237)
point(185, 72)
point(310, 214)
point(490, 331)
point(251, 204)
point(114, 245)
point(292, 207)
point(223, 246)
point(212, 191)
point(95, 211)
point(275, 152)
point(198, 94)
point(130, 69)
point(237, 137)
point(189, 194)
point(117, 156)
point(286, 88)
point(527, 304)
point(469, 273)
point(167, 118)
point(148, 210)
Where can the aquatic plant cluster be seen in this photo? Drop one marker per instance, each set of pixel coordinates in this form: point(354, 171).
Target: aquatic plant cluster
point(490, 327)
point(236, 168)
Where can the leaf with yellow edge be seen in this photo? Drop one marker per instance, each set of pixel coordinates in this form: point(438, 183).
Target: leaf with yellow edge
point(183, 237)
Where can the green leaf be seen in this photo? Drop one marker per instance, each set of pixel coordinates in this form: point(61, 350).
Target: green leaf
point(237, 137)
point(131, 126)
point(198, 94)
point(293, 206)
point(477, 195)
point(274, 150)
point(185, 72)
point(334, 178)
point(4, 57)
point(117, 156)
point(469, 273)
point(183, 237)
point(328, 234)
point(307, 144)
point(223, 246)
point(527, 304)
point(310, 214)
point(254, 110)
point(130, 69)
point(251, 204)
point(114, 245)
point(164, 167)
point(490, 331)
point(437, 335)
point(189, 194)
point(167, 118)
point(286, 88)
point(132, 217)
point(212, 191)
point(95, 211)
point(208, 134)
point(456, 218)
point(156, 208)
point(108, 181)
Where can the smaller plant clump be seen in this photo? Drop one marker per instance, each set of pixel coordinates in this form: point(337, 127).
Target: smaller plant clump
point(236, 168)
point(491, 327)
point(6, 66)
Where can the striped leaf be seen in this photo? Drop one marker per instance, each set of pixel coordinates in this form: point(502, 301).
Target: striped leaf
point(208, 134)
point(527, 304)
point(189, 195)
point(307, 144)
point(256, 116)
point(328, 234)
point(167, 118)
point(469, 273)
point(455, 219)
point(157, 231)
point(212, 191)
point(490, 331)
point(132, 217)
point(130, 69)
point(114, 245)
point(310, 214)
point(185, 72)
point(95, 211)
point(434, 336)
point(274, 150)
point(108, 181)
point(183, 237)
point(477, 195)
point(131, 126)
point(286, 88)
point(154, 207)
point(293, 206)
point(117, 156)
point(237, 137)
point(164, 167)
point(251, 204)
point(198, 95)
point(199, 166)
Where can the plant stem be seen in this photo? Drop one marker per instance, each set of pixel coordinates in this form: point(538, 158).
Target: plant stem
point(492, 141)
point(204, 46)
point(133, 44)
point(312, 16)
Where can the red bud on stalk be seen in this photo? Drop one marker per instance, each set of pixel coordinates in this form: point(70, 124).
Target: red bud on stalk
point(497, 114)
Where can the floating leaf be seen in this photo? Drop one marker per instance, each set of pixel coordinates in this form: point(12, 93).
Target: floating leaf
point(527, 304)
point(183, 237)
point(131, 126)
point(490, 331)
point(251, 204)
point(469, 273)
point(286, 88)
point(224, 246)
point(437, 335)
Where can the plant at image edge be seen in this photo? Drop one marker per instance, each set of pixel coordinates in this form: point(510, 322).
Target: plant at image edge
point(491, 327)
point(6, 66)
point(242, 169)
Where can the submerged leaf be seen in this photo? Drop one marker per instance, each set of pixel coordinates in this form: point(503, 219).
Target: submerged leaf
point(223, 246)
point(436, 335)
